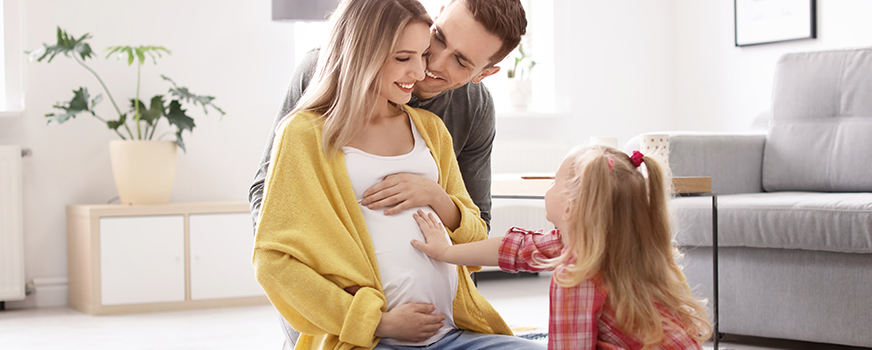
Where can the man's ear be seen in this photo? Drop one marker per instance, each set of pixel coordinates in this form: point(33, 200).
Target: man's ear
point(485, 73)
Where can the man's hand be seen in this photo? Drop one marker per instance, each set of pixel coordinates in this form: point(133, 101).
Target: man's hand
point(437, 243)
point(412, 322)
point(402, 191)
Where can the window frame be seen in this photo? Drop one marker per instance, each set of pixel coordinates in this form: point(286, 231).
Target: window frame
point(12, 60)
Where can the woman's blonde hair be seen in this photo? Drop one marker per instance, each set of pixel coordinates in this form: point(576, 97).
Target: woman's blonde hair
point(345, 85)
point(620, 229)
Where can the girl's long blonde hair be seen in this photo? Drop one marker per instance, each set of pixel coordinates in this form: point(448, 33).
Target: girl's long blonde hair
point(620, 228)
point(345, 85)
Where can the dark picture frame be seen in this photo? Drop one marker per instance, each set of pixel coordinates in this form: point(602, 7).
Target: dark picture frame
point(760, 22)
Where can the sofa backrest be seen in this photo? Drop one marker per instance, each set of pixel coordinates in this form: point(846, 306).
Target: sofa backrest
point(820, 137)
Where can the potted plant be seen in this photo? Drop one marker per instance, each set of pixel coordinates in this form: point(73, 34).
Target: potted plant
point(143, 167)
point(519, 84)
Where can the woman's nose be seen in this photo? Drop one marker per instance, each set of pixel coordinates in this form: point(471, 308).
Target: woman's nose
point(417, 70)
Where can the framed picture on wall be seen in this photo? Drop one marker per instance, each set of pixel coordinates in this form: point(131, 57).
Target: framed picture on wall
point(771, 21)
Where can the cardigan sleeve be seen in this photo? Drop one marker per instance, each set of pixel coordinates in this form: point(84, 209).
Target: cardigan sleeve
point(307, 248)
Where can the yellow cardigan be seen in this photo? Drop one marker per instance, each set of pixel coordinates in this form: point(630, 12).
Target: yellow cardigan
point(312, 240)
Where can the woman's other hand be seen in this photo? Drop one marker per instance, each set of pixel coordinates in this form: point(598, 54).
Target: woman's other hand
point(437, 243)
point(412, 322)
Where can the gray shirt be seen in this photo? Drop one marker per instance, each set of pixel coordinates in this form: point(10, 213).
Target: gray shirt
point(468, 113)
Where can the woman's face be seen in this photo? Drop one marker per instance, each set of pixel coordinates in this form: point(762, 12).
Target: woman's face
point(405, 65)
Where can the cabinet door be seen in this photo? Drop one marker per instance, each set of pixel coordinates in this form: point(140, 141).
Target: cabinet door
point(142, 259)
point(221, 248)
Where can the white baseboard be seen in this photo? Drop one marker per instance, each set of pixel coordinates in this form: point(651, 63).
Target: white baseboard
point(48, 292)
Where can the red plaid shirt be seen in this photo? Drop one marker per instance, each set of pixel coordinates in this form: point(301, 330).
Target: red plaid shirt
point(580, 318)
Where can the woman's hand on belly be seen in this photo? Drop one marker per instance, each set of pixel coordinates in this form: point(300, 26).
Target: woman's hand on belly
point(401, 191)
point(412, 322)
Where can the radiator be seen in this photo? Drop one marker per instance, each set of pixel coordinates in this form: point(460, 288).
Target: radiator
point(11, 232)
point(523, 213)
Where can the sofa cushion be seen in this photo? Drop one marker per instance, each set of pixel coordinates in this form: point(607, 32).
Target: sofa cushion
point(819, 137)
point(836, 222)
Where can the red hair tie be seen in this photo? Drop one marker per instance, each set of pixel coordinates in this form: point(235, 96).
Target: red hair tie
point(636, 158)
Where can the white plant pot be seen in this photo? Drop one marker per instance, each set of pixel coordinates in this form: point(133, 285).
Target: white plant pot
point(144, 170)
point(520, 91)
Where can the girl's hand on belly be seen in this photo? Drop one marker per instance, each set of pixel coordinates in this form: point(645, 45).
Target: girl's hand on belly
point(437, 244)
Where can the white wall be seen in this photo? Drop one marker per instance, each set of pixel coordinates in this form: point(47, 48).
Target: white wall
point(615, 66)
point(720, 87)
point(630, 66)
point(228, 49)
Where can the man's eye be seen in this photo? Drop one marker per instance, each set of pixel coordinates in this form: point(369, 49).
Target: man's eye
point(460, 62)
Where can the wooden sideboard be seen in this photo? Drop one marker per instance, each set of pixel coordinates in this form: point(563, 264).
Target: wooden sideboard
point(141, 258)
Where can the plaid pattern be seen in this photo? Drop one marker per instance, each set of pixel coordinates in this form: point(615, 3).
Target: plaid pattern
point(580, 317)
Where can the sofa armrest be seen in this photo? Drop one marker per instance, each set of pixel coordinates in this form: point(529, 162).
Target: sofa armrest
point(734, 161)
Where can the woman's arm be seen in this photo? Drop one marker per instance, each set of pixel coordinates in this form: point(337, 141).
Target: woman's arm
point(438, 246)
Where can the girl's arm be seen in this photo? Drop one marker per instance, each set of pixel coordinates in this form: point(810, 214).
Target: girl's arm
point(438, 246)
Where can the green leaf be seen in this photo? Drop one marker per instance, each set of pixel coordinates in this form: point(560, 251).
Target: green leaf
point(185, 95)
point(138, 52)
point(177, 116)
point(129, 51)
point(115, 124)
point(66, 45)
point(78, 104)
point(150, 115)
point(179, 140)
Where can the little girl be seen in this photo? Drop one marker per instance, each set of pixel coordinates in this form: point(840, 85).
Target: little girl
point(616, 284)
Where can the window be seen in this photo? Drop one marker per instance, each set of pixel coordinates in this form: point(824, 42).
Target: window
point(538, 45)
point(11, 59)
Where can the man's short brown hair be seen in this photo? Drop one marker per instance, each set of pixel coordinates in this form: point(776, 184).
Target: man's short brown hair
point(504, 18)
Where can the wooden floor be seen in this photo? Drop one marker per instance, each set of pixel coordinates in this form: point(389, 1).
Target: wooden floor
point(523, 302)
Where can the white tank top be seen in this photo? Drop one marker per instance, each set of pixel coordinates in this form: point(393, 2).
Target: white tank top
point(407, 275)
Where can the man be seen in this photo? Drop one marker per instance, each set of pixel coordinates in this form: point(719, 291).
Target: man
point(467, 39)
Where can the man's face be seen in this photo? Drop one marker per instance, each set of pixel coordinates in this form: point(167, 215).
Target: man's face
point(460, 51)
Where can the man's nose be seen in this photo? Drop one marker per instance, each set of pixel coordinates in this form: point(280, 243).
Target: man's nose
point(436, 61)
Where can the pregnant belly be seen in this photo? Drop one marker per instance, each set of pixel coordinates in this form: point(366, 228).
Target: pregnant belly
point(408, 275)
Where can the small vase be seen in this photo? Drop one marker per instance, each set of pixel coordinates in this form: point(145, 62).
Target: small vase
point(519, 93)
point(144, 170)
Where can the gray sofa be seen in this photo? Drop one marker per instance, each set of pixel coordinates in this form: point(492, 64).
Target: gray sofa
point(794, 206)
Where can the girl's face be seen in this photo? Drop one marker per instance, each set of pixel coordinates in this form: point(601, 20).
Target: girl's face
point(406, 64)
point(556, 200)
